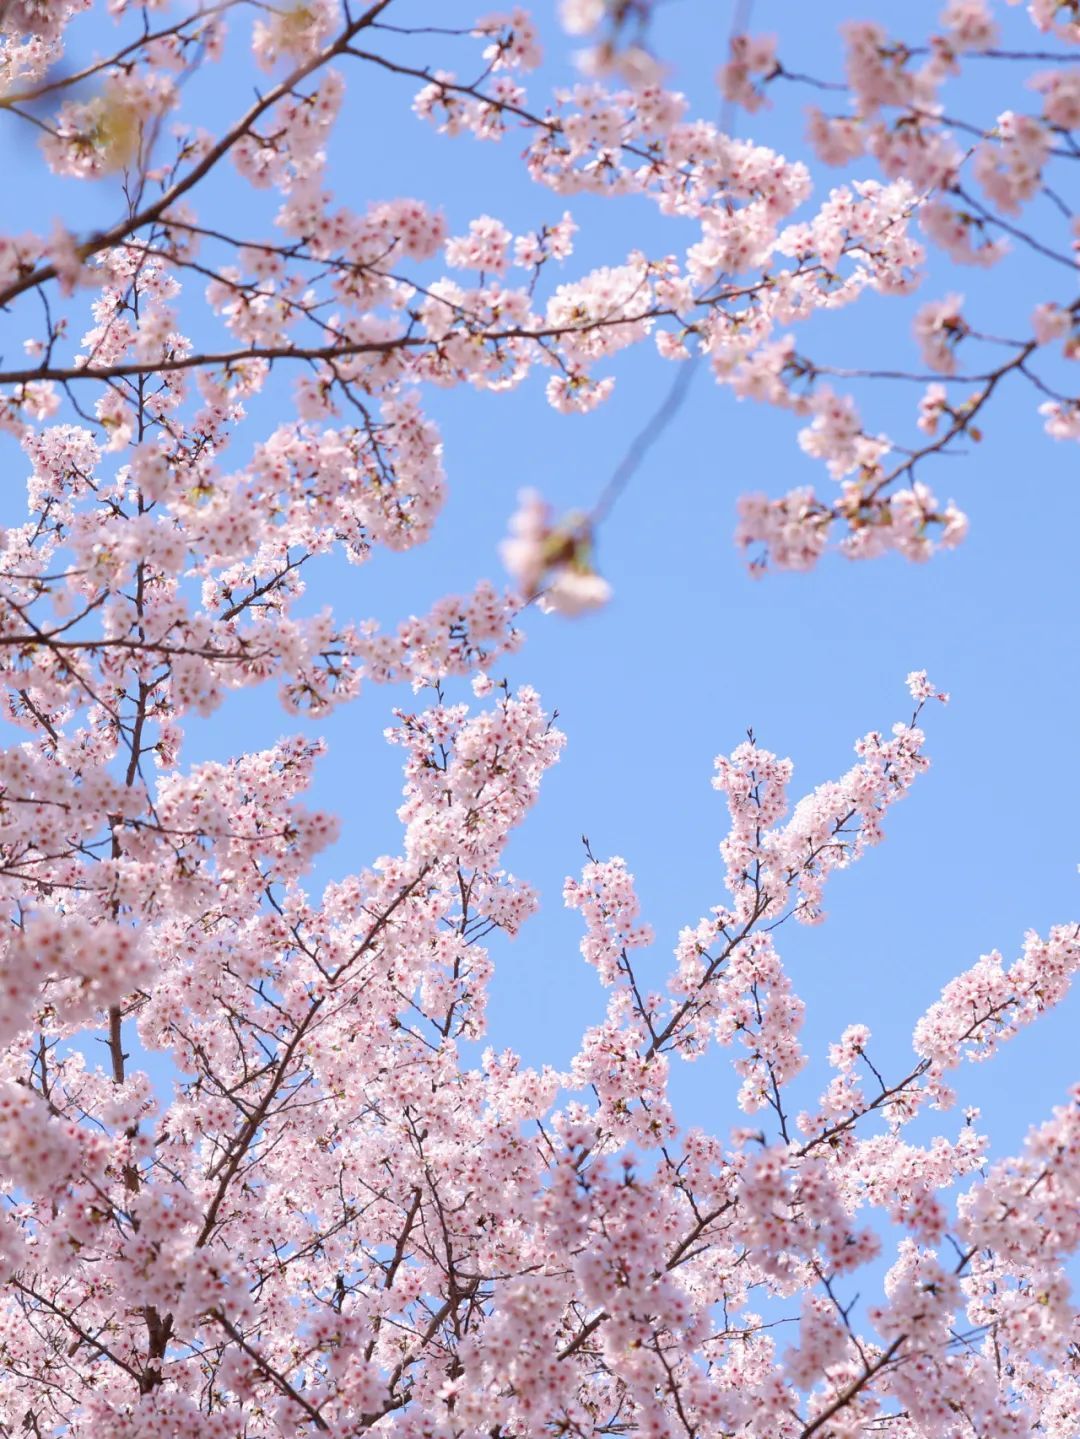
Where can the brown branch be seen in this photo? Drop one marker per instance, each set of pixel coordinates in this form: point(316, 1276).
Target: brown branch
point(268, 1369)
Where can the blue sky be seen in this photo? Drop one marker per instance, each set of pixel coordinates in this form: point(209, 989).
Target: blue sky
point(692, 650)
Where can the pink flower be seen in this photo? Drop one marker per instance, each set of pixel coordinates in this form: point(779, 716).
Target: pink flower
point(751, 55)
point(939, 327)
point(969, 24)
point(1050, 322)
point(572, 592)
point(920, 688)
point(484, 248)
point(580, 16)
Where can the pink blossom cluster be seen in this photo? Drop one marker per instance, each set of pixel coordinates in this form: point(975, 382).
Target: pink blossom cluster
point(751, 55)
point(264, 1173)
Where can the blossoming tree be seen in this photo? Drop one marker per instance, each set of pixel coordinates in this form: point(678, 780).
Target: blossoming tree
point(332, 1216)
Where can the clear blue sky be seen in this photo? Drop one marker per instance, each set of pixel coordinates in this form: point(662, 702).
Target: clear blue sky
point(692, 650)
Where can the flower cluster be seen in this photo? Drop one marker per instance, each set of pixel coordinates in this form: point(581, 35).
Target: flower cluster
point(262, 1177)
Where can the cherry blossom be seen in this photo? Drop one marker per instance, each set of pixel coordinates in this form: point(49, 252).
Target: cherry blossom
point(265, 1171)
